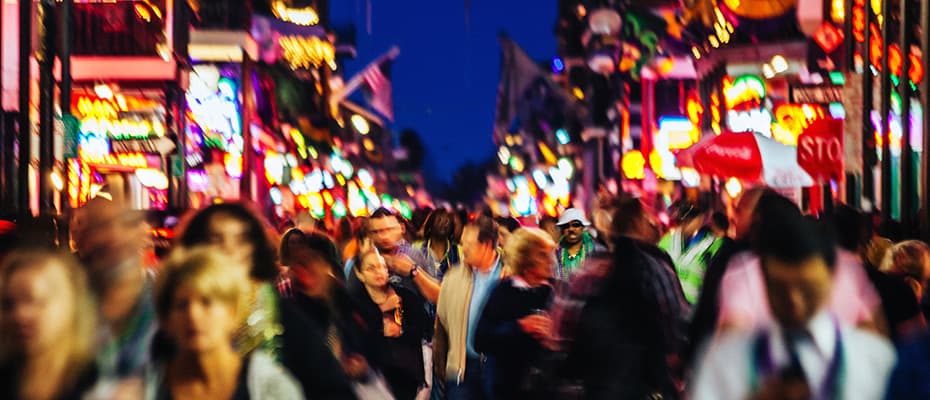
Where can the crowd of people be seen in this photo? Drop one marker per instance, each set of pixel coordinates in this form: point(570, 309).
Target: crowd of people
point(762, 302)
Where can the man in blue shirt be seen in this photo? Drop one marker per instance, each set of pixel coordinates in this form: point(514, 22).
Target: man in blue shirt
point(465, 290)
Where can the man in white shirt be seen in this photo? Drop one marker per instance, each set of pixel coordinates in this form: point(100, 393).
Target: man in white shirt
point(807, 352)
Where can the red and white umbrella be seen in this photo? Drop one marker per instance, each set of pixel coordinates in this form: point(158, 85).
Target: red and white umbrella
point(746, 156)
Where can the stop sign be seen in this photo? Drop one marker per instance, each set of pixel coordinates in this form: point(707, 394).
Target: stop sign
point(820, 149)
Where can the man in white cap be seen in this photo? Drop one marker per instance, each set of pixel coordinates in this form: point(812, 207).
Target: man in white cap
point(576, 243)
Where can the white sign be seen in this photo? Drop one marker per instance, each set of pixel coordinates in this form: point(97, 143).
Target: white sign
point(758, 120)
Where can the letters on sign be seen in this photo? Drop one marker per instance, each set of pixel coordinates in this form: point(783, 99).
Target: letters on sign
point(740, 153)
point(817, 94)
point(820, 148)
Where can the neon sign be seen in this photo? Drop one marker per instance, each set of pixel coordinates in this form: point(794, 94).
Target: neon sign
point(747, 88)
point(759, 120)
point(130, 160)
point(676, 133)
point(213, 105)
point(101, 117)
point(792, 119)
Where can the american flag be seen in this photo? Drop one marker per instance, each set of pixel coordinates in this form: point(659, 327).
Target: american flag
point(379, 85)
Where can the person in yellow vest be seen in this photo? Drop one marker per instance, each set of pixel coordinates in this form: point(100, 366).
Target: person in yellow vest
point(691, 245)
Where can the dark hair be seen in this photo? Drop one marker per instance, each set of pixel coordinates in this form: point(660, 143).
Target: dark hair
point(510, 223)
point(851, 227)
point(793, 239)
point(317, 244)
point(433, 218)
point(719, 220)
point(770, 209)
point(627, 211)
point(487, 229)
point(384, 212)
point(263, 258)
point(547, 219)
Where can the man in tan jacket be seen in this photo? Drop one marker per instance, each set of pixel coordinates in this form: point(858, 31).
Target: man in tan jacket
point(464, 292)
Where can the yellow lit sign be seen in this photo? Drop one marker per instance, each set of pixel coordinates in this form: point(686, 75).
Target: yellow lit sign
point(302, 52)
point(792, 119)
point(130, 160)
point(633, 165)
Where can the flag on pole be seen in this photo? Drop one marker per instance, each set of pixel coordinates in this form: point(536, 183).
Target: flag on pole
point(377, 79)
point(519, 75)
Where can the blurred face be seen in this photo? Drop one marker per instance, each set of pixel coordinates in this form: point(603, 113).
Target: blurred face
point(571, 232)
point(385, 232)
point(552, 230)
point(105, 235)
point(442, 226)
point(198, 323)
point(543, 262)
point(373, 273)
point(312, 273)
point(231, 236)
point(474, 253)
point(502, 236)
point(742, 215)
point(796, 292)
point(37, 308)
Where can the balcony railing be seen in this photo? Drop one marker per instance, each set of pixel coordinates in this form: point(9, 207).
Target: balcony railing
point(123, 28)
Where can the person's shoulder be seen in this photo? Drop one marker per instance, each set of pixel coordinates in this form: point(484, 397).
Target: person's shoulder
point(877, 349)
point(269, 380)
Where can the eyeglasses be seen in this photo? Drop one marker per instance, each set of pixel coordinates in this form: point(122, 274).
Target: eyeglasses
point(573, 224)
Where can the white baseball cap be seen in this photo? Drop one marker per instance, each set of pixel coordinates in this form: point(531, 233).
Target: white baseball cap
point(572, 214)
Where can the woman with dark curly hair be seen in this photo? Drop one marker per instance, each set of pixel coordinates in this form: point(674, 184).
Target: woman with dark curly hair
point(269, 324)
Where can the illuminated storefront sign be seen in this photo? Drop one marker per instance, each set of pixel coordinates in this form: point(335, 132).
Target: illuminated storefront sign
point(213, 106)
point(106, 117)
point(745, 89)
point(125, 160)
point(677, 133)
point(759, 120)
point(792, 119)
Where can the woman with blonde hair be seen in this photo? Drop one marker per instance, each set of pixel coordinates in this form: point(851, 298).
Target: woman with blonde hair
point(514, 330)
point(48, 322)
point(910, 260)
point(199, 300)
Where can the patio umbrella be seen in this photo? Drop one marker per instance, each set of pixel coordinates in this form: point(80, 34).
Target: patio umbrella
point(746, 156)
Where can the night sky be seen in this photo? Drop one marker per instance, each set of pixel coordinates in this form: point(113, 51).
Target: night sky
point(445, 80)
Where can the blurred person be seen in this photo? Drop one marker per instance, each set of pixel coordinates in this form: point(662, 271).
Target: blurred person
point(707, 309)
point(110, 240)
point(514, 330)
point(399, 314)
point(322, 297)
point(438, 244)
point(910, 260)
point(719, 225)
point(419, 219)
point(900, 315)
point(621, 322)
point(549, 224)
point(200, 297)
point(268, 323)
point(691, 246)
point(505, 227)
point(48, 323)
point(575, 243)
point(808, 351)
point(407, 264)
point(743, 300)
point(465, 291)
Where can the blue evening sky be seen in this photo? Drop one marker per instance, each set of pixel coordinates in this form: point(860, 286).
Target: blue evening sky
point(445, 80)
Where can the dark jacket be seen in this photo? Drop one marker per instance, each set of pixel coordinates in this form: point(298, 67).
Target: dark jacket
point(343, 312)
point(402, 357)
point(511, 352)
point(10, 375)
point(630, 325)
point(304, 353)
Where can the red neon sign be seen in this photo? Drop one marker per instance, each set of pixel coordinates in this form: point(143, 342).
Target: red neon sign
point(916, 73)
point(895, 61)
point(858, 23)
point(875, 46)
